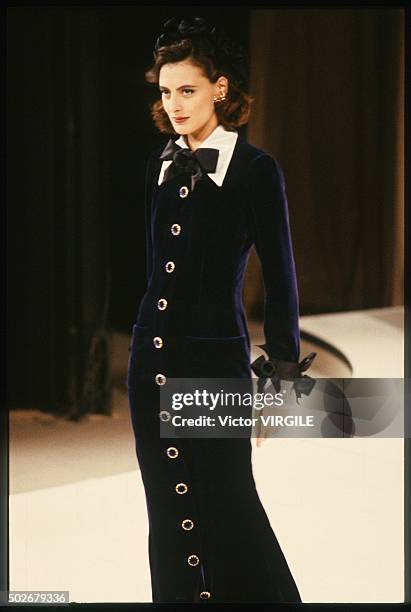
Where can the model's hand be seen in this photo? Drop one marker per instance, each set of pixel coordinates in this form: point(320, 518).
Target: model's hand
point(262, 432)
point(265, 431)
point(259, 441)
point(266, 427)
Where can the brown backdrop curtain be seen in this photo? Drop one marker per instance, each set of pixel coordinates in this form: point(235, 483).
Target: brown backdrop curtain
point(328, 88)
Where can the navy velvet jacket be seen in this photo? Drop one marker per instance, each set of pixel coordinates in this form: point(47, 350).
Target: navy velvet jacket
point(218, 226)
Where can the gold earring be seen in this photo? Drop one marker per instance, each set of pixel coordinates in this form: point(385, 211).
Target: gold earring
point(222, 96)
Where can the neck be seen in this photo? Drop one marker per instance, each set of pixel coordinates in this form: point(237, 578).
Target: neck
point(195, 139)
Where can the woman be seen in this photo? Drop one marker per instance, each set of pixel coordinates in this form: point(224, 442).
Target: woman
point(209, 197)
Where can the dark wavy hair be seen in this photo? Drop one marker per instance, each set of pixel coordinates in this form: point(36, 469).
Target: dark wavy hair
point(232, 112)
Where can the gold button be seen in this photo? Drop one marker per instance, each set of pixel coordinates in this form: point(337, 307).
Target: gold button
point(172, 452)
point(170, 265)
point(164, 416)
point(187, 524)
point(193, 560)
point(158, 342)
point(184, 191)
point(205, 595)
point(181, 488)
point(175, 229)
point(162, 304)
point(160, 379)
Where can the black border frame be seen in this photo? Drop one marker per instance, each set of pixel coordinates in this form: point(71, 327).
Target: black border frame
point(4, 414)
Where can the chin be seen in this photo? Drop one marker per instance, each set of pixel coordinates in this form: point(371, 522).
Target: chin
point(183, 130)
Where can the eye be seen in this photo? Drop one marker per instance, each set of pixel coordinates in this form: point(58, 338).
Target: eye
point(187, 91)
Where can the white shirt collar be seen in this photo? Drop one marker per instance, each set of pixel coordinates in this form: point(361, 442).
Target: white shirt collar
point(221, 139)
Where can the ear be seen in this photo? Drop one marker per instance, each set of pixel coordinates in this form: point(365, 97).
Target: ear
point(222, 83)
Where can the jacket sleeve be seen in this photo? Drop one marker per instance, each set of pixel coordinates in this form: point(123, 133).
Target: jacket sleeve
point(270, 230)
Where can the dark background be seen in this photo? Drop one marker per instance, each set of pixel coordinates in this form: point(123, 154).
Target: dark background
point(327, 87)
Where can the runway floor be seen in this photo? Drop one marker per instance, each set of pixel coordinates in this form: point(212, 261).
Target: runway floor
point(77, 508)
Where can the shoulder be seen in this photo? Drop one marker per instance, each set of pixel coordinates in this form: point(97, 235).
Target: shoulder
point(153, 162)
point(263, 176)
point(153, 155)
point(259, 164)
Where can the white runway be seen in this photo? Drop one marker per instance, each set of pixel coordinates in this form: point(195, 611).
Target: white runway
point(77, 507)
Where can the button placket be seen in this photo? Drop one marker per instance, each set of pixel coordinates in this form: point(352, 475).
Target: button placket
point(186, 523)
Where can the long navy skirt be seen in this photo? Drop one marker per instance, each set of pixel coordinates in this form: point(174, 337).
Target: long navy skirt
point(210, 539)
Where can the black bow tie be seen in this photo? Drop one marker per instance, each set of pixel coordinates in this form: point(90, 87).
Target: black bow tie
point(197, 163)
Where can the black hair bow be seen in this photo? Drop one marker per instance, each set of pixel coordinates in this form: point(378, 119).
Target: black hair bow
point(197, 163)
point(176, 29)
point(279, 369)
point(227, 54)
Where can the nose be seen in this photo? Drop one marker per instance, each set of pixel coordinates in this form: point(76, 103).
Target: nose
point(175, 103)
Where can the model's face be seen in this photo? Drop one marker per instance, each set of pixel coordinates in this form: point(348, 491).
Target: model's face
point(187, 93)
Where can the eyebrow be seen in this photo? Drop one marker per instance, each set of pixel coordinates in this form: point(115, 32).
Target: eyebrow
point(181, 87)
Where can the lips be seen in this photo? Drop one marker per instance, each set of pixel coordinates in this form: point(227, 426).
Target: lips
point(180, 119)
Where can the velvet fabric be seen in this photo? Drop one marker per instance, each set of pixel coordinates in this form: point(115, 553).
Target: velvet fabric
point(204, 334)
